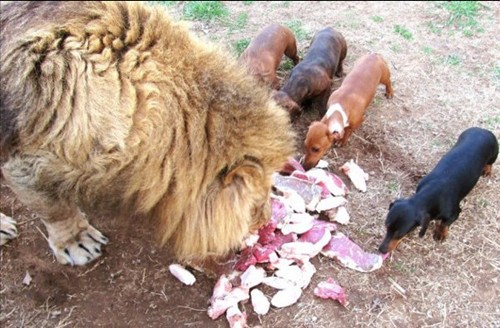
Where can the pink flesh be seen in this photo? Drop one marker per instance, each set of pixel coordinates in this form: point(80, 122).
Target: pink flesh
point(330, 289)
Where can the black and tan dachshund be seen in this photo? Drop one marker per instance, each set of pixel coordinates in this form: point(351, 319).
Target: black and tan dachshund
point(439, 194)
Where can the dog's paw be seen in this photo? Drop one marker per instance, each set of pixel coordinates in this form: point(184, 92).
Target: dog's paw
point(440, 232)
point(8, 228)
point(83, 245)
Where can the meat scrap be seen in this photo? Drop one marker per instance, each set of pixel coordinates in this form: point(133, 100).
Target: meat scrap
point(355, 174)
point(236, 318)
point(182, 274)
point(351, 255)
point(330, 289)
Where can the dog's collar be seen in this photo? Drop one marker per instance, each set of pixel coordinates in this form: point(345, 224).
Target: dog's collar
point(337, 108)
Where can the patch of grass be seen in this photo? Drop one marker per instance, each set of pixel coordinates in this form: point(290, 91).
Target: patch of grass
point(240, 46)
point(428, 50)
point(403, 31)
point(377, 19)
point(204, 10)
point(463, 16)
point(453, 60)
point(493, 122)
point(165, 3)
point(286, 64)
point(434, 28)
point(248, 3)
point(240, 22)
point(495, 75)
point(393, 187)
point(280, 4)
point(396, 48)
point(297, 29)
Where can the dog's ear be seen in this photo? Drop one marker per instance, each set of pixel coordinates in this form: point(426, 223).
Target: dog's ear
point(424, 224)
point(394, 202)
point(248, 170)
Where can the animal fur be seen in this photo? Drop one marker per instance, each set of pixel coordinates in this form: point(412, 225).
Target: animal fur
point(111, 107)
point(263, 55)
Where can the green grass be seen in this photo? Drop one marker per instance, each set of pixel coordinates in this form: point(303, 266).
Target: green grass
point(393, 187)
point(453, 60)
point(297, 29)
point(493, 122)
point(240, 46)
point(463, 16)
point(286, 64)
point(204, 10)
point(377, 19)
point(396, 48)
point(428, 50)
point(241, 21)
point(248, 3)
point(403, 31)
point(496, 74)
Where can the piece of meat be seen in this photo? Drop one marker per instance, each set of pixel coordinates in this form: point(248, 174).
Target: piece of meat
point(330, 202)
point(342, 216)
point(236, 318)
point(286, 297)
point(182, 274)
point(351, 255)
point(355, 174)
point(252, 277)
point(219, 306)
point(330, 289)
point(306, 189)
point(221, 288)
point(333, 184)
point(260, 303)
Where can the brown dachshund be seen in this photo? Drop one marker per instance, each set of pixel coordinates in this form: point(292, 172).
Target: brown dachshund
point(263, 55)
point(346, 107)
point(311, 79)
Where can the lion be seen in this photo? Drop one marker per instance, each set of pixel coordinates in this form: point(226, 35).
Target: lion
point(114, 108)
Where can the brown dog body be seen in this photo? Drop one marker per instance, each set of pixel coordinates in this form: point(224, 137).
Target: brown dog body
point(263, 55)
point(346, 107)
point(111, 108)
point(311, 79)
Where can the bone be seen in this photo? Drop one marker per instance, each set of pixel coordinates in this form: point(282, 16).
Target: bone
point(342, 216)
point(252, 277)
point(219, 305)
point(355, 174)
point(182, 274)
point(286, 297)
point(260, 303)
point(236, 318)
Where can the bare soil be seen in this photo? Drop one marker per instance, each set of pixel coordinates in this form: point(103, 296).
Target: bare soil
point(423, 283)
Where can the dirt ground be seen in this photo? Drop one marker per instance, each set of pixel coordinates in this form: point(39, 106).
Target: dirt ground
point(445, 80)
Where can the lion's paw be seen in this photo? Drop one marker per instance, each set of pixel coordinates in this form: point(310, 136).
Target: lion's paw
point(8, 228)
point(84, 248)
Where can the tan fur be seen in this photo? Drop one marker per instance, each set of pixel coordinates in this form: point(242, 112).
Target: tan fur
point(354, 96)
point(115, 108)
point(263, 55)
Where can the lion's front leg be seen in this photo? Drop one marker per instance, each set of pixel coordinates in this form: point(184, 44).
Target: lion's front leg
point(73, 240)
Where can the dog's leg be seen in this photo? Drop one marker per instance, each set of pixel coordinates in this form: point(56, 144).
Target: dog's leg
point(72, 239)
point(291, 52)
point(319, 103)
point(440, 231)
point(386, 80)
point(443, 224)
point(487, 170)
point(8, 229)
point(347, 134)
